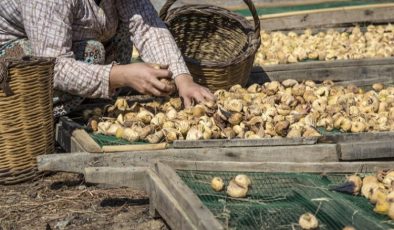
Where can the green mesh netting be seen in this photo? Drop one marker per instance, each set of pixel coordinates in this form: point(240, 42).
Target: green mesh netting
point(277, 200)
point(336, 4)
point(103, 140)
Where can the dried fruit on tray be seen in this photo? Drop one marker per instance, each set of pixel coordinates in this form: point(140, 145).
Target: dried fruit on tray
point(280, 48)
point(272, 110)
point(378, 189)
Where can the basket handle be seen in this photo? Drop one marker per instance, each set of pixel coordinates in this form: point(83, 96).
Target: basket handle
point(256, 18)
point(249, 3)
point(4, 81)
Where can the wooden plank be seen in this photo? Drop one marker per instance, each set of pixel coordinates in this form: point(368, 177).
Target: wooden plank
point(366, 150)
point(330, 10)
point(76, 147)
point(312, 167)
point(162, 201)
point(132, 177)
point(141, 147)
point(329, 64)
point(357, 137)
point(86, 141)
point(235, 4)
point(368, 82)
point(244, 142)
point(384, 73)
point(77, 162)
point(379, 13)
point(336, 73)
point(200, 215)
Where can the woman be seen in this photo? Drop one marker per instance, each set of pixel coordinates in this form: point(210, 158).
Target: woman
point(81, 35)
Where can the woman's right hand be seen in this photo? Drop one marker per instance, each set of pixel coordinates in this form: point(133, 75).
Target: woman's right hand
point(143, 77)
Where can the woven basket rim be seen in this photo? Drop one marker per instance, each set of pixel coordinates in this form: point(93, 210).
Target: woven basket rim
point(28, 59)
point(253, 43)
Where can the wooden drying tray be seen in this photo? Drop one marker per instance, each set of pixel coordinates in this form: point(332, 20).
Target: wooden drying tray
point(169, 196)
point(332, 147)
point(360, 72)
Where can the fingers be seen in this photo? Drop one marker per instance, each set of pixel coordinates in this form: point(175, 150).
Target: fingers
point(161, 86)
point(158, 66)
point(187, 102)
point(161, 70)
point(162, 73)
point(156, 92)
point(207, 94)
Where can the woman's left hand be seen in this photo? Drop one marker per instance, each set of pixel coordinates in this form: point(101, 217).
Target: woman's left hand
point(191, 91)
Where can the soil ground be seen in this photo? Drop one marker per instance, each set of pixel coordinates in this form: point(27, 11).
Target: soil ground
point(64, 201)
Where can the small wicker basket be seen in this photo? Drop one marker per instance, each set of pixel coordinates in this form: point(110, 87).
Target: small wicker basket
point(218, 45)
point(26, 119)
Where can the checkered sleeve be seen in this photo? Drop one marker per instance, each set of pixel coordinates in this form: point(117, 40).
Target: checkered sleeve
point(150, 35)
point(48, 25)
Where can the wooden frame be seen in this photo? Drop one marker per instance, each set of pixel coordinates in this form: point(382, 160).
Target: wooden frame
point(179, 206)
point(326, 148)
point(328, 18)
point(360, 72)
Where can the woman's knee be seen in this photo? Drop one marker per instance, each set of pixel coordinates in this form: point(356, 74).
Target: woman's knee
point(90, 51)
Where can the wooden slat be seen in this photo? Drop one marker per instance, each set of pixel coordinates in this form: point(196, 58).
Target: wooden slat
point(139, 147)
point(132, 177)
point(200, 215)
point(77, 162)
point(357, 137)
point(366, 150)
point(162, 201)
point(335, 73)
point(312, 167)
point(378, 13)
point(329, 64)
point(86, 141)
point(236, 5)
point(244, 142)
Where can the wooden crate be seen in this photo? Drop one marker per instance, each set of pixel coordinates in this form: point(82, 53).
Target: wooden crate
point(177, 204)
point(360, 72)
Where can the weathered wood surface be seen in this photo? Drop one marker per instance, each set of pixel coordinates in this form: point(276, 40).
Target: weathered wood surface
point(132, 177)
point(378, 13)
point(76, 162)
point(312, 167)
point(330, 64)
point(200, 215)
point(244, 142)
point(163, 201)
point(238, 4)
point(357, 137)
point(86, 141)
point(126, 148)
point(349, 71)
point(366, 150)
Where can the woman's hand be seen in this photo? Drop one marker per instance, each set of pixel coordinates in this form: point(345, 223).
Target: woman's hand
point(190, 91)
point(145, 78)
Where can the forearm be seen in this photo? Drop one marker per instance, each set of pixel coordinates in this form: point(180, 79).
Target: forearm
point(82, 79)
point(150, 35)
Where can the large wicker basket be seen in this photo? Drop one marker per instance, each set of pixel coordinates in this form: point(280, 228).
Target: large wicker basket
point(218, 45)
point(26, 120)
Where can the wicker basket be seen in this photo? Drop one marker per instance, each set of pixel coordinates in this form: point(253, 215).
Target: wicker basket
point(218, 45)
point(26, 120)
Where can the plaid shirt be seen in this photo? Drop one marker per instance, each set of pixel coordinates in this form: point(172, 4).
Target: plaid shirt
point(52, 25)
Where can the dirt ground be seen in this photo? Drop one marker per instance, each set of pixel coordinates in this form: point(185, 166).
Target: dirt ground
point(64, 201)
